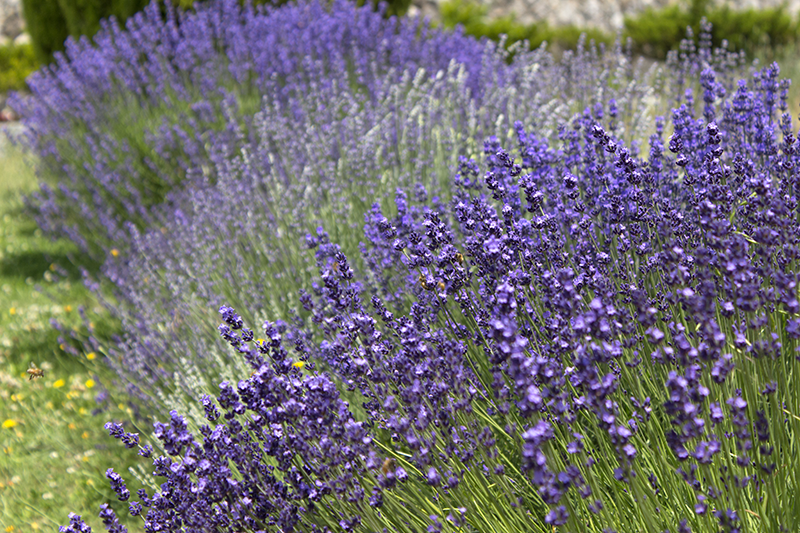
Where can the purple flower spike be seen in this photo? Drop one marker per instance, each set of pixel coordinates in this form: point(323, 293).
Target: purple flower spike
point(76, 525)
point(118, 485)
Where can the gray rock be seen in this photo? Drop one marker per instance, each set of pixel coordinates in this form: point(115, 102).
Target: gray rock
point(22, 38)
point(11, 22)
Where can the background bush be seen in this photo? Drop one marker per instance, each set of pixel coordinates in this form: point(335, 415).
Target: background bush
point(82, 17)
point(16, 64)
point(657, 31)
point(472, 16)
point(46, 26)
point(653, 32)
point(50, 22)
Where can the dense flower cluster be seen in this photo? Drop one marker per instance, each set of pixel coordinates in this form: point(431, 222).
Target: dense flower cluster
point(583, 327)
point(319, 166)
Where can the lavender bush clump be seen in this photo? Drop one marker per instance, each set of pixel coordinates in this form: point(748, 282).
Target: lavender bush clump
point(579, 325)
point(124, 123)
point(601, 342)
point(325, 166)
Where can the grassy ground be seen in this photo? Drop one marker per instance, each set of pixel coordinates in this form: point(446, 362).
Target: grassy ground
point(53, 450)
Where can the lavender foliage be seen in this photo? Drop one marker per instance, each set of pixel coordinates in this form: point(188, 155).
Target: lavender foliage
point(577, 328)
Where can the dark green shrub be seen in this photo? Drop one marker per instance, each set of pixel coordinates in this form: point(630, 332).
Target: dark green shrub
point(46, 26)
point(83, 16)
point(50, 22)
point(753, 29)
point(657, 31)
point(16, 64)
point(653, 32)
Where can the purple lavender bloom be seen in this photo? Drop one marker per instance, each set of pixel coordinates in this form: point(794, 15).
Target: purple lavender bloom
point(76, 525)
point(110, 520)
point(433, 477)
point(118, 485)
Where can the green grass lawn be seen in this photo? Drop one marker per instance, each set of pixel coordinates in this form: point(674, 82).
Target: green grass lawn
point(53, 451)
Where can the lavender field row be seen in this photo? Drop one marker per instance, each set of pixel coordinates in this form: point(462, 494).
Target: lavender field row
point(366, 275)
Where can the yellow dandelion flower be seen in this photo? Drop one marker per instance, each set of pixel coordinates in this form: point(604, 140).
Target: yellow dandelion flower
point(82, 411)
point(2, 485)
point(58, 384)
point(85, 435)
point(61, 346)
point(35, 526)
point(299, 364)
point(71, 425)
point(68, 308)
point(9, 423)
point(12, 311)
point(9, 529)
point(90, 356)
point(8, 450)
point(50, 405)
point(114, 252)
point(89, 383)
point(85, 459)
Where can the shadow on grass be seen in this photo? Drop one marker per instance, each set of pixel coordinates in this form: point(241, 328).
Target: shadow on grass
point(34, 264)
point(47, 343)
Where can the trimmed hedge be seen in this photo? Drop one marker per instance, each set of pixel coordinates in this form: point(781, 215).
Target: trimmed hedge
point(51, 22)
point(47, 27)
point(83, 16)
point(472, 16)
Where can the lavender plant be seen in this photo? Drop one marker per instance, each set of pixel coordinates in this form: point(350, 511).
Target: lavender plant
point(581, 338)
point(325, 164)
point(580, 331)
